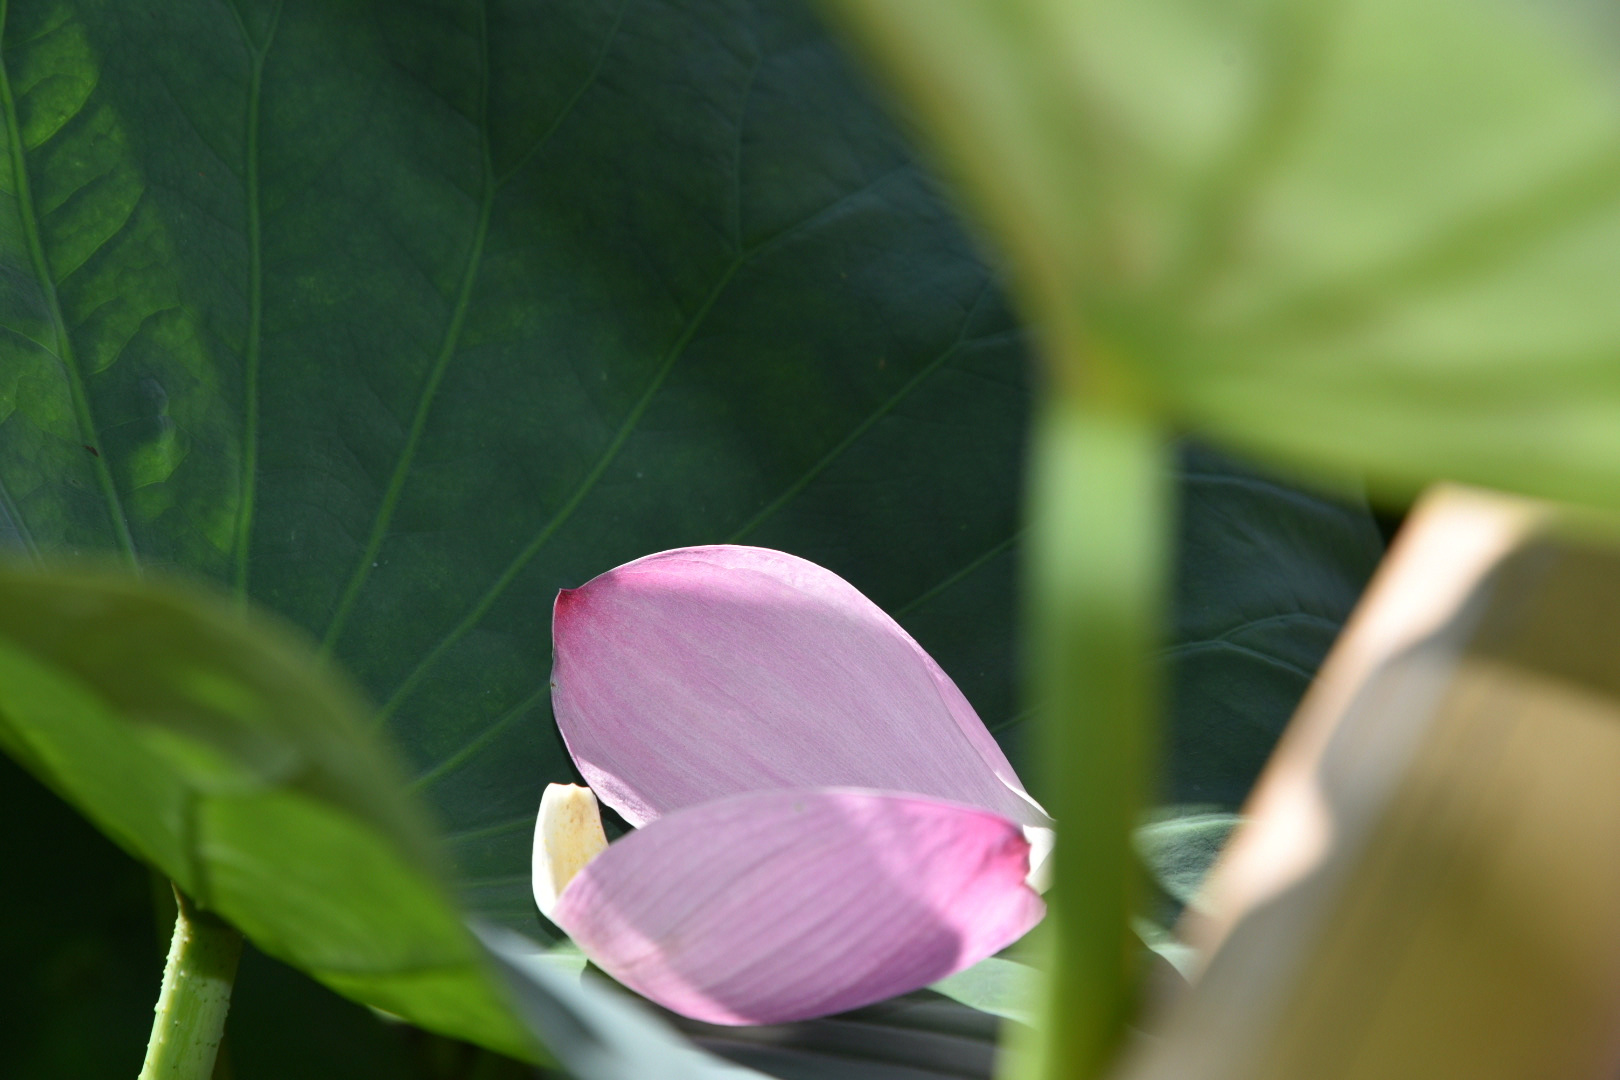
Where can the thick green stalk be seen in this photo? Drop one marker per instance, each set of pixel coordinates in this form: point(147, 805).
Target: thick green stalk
point(1097, 554)
point(195, 997)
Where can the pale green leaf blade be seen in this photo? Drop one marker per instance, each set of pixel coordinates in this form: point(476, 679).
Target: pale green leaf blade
point(1366, 237)
point(215, 747)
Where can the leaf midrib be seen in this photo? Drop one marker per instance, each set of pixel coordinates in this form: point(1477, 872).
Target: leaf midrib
point(250, 426)
point(492, 185)
point(573, 99)
point(250, 405)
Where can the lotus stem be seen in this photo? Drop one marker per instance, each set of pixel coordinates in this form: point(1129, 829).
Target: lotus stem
point(190, 1012)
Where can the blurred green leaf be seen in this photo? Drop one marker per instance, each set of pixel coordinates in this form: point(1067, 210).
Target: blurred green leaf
point(600, 1030)
point(79, 934)
point(595, 1030)
point(217, 749)
point(1361, 236)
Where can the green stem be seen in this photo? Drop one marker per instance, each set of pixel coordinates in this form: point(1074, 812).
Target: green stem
point(1097, 565)
point(196, 996)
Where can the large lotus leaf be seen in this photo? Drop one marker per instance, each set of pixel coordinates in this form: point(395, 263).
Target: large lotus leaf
point(397, 317)
point(1360, 235)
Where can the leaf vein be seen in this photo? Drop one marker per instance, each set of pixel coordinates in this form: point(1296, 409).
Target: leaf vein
point(13, 514)
point(1217, 644)
point(477, 745)
point(90, 253)
point(430, 387)
point(865, 425)
point(964, 572)
point(568, 106)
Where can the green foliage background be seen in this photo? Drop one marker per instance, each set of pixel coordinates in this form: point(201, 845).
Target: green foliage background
point(394, 318)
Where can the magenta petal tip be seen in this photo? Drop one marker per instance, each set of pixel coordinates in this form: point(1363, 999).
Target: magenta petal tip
point(703, 672)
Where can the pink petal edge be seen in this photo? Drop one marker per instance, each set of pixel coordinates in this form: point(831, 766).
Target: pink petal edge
point(702, 672)
point(783, 905)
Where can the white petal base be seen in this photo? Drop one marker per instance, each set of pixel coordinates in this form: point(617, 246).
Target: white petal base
point(567, 835)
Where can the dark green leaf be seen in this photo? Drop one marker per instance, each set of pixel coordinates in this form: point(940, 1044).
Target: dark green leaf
point(920, 1036)
point(1266, 573)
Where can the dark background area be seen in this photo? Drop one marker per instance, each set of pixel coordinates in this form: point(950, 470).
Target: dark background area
point(82, 948)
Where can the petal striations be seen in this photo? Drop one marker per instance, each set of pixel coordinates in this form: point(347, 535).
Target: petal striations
point(783, 905)
point(702, 672)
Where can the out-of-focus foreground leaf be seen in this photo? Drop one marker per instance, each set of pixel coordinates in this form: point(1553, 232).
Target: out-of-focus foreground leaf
point(595, 1030)
point(1363, 236)
point(79, 943)
point(219, 751)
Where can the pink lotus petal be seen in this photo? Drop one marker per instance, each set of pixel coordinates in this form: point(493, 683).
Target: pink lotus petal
point(703, 672)
point(783, 905)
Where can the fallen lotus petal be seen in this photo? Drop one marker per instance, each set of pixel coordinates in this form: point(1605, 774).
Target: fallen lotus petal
point(702, 672)
point(783, 905)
